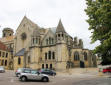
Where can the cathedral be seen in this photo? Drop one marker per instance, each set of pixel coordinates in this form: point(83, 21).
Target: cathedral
point(36, 47)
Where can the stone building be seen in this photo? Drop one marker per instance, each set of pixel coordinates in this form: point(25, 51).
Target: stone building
point(8, 40)
point(50, 48)
point(4, 56)
point(37, 47)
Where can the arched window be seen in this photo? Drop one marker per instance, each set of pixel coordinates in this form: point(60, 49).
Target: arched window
point(39, 41)
point(6, 55)
point(50, 66)
point(2, 63)
point(46, 65)
point(42, 65)
point(45, 56)
point(85, 56)
point(33, 40)
point(19, 60)
point(62, 34)
point(46, 41)
point(49, 54)
point(3, 54)
point(49, 40)
point(58, 35)
point(76, 56)
point(36, 40)
point(0, 53)
point(5, 62)
point(53, 55)
point(52, 41)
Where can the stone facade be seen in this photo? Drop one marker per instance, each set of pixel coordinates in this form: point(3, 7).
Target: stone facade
point(8, 40)
point(4, 56)
point(50, 48)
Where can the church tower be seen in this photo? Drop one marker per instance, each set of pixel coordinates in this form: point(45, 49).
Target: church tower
point(61, 47)
point(7, 32)
point(60, 33)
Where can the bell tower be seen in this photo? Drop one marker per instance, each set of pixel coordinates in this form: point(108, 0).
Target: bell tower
point(7, 32)
point(60, 33)
point(61, 47)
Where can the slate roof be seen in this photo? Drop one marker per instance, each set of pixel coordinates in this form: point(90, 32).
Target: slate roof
point(21, 52)
point(36, 32)
point(9, 29)
point(60, 27)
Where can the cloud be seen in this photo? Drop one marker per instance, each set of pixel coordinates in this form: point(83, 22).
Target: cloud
point(46, 13)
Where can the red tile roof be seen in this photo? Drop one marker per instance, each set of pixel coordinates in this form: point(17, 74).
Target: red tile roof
point(3, 47)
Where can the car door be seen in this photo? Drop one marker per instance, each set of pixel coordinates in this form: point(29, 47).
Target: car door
point(38, 76)
point(28, 73)
point(35, 75)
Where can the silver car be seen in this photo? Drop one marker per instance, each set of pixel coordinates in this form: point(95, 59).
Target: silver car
point(21, 70)
point(33, 75)
point(2, 69)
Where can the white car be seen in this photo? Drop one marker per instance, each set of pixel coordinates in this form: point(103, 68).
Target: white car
point(33, 75)
point(2, 69)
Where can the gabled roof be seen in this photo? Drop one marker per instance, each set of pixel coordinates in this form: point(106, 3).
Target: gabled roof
point(25, 19)
point(45, 35)
point(3, 46)
point(21, 52)
point(60, 27)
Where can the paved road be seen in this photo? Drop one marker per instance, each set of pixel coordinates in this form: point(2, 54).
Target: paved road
point(9, 78)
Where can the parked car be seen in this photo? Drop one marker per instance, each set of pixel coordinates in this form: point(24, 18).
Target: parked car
point(48, 72)
point(107, 70)
point(2, 69)
point(33, 75)
point(21, 70)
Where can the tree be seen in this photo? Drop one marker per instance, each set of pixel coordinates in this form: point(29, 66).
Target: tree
point(99, 13)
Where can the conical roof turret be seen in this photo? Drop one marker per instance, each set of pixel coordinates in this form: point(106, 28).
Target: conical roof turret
point(60, 27)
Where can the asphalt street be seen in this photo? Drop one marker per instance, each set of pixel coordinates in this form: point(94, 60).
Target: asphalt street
point(9, 78)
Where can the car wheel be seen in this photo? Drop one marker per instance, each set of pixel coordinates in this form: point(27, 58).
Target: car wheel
point(23, 78)
point(45, 79)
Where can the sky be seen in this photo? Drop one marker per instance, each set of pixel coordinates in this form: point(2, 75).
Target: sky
point(46, 13)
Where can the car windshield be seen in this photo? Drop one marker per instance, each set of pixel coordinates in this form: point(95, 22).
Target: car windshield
point(20, 69)
point(26, 70)
point(1, 68)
